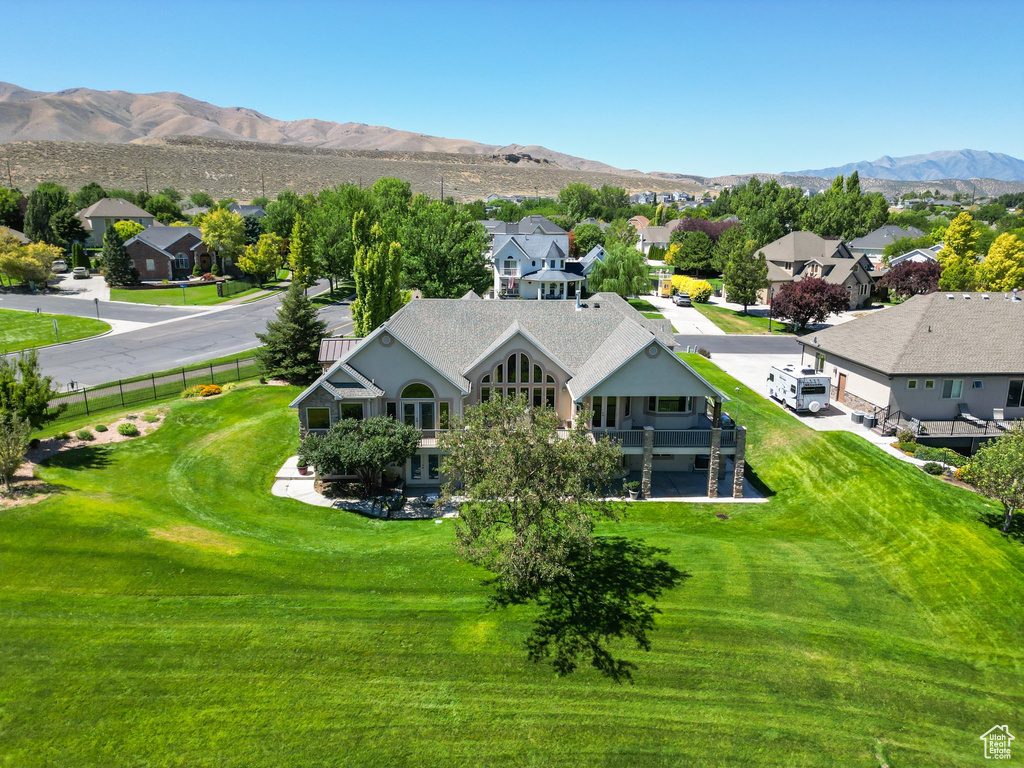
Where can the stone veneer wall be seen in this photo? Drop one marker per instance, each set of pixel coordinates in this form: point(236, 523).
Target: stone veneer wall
point(853, 401)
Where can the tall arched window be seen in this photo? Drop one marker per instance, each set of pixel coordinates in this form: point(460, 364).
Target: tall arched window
point(518, 376)
point(421, 409)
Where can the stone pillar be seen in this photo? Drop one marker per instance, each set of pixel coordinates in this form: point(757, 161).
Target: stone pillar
point(739, 462)
point(714, 462)
point(716, 414)
point(645, 476)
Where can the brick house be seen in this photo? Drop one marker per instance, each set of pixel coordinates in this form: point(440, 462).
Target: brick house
point(168, 253)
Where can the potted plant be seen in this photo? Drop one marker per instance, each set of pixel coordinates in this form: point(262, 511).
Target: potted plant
point(633, 489)
point(303, 468)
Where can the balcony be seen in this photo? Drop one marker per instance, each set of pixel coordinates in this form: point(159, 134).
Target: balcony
point(509, 272)
point(673, 439)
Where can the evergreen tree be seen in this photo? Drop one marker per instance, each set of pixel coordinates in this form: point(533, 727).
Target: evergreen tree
point(117, 268)
point(745, 274)
point(300, 254)
point(78, 257)
point(378, 271)
point(291, 345)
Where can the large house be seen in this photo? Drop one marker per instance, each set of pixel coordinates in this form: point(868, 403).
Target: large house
point(101, 215)
point(874, 243)
point(950, 366)
point(531, 260)
point(800, 255)
point(436, 357)
point(168, 253)
point(651, 237)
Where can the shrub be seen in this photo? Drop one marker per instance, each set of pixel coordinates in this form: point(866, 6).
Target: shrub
point(704, 352)
point(151, 418)
point(906, 436)
point(933, 468)
point(197, 271)
point(698, 290)
point(128, 430)
point(202, 390)
point(209, 390)
point(84, 434)
point(193, 391)
point(945, 455)
point(215, 270)
point(62, 436)
point(910, 448)
point(101, 427)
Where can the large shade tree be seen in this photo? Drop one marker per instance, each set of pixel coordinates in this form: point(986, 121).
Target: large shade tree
point(444, 249)
point(810, 300)
point(997, 469)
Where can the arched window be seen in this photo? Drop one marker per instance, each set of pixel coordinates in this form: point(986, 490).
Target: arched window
point(519, 372)
point(414, 391)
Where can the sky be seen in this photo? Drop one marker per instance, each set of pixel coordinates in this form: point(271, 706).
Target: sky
point(705, 88)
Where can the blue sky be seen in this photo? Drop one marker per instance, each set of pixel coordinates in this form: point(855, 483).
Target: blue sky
point(692, 87)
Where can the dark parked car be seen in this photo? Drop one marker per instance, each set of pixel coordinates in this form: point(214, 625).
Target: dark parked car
point(682, 300)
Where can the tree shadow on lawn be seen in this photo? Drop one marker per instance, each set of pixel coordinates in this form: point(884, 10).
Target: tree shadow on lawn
point(998, 518)
point(755, 480)
point(86, 457)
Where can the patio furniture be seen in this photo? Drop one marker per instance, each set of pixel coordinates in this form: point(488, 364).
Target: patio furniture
point(966, 415)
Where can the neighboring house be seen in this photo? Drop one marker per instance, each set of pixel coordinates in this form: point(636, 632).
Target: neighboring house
point(918, 254)
point(642, 198)
point(649, 237)
point(101, 215)
point(799, 255)
point(436, 357)
point(874, 243)
point(195, 210)
point(535, 267)
point(594, 255)
point(949, 365)
point(168, 253)
point(19, 236)
point(638, 222)
point(602, 225)
point(247, 210)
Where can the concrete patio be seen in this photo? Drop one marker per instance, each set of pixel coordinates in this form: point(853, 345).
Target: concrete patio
point(692, 487)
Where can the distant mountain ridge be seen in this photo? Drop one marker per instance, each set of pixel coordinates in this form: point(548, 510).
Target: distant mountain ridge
point(934, 166)
point(120, 117)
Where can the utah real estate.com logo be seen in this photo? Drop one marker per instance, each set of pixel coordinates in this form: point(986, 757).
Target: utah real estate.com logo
point(997, 742)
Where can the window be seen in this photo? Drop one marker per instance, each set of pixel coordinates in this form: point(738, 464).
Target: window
point(549, 397)
point(819, 362)
point(444, 416)
point(771, 377)
point(351, 410)
point(952, 389)
point(929, 383)
point(911, 383)
point(598, 405)
point(1015, 393)
point(181, 261)
point(977, 384)
point(391, 409)
point(537, 375)
point(419, 391)
point(819, 390)
point(150, 265)
point(610, 412)
point(511, 369)
point(669, 404)
point(318, 418)
point(433, 464)
point(626, 407)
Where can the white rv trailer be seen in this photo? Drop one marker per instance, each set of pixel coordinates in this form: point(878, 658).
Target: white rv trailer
point(802, 389)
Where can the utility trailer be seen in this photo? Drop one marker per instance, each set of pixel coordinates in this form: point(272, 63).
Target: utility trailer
point(802, 389)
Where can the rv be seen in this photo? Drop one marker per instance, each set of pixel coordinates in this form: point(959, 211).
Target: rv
point(802, 389)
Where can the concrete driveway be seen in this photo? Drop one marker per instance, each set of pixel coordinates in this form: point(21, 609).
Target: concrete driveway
point(687, 320)
point(94, 287)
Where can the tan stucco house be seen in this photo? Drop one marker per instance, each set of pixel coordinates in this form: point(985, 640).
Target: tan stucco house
point(800, 255)
point(436, 357)
point(104, 213)
point(950, 366)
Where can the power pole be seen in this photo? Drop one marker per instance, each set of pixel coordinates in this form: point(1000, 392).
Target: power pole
point(263, 183)
point(146, 172)
point(442, 189)
point(10, 181)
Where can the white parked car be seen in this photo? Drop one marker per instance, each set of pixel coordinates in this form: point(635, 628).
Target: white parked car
point(80, 273)
point(59, 266)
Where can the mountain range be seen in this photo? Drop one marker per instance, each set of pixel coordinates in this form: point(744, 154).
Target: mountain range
point(120, 117)
point(957, 164)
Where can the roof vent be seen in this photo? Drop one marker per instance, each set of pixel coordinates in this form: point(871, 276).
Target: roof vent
point(597, 305)
point(950, 296)
point(967, 295)
point(985, 296)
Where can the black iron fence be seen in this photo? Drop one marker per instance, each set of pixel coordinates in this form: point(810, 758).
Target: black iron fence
point(127, 392)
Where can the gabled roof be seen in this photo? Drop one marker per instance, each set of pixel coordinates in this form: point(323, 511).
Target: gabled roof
point(164, 238)
point(918, 254)
point(113, 207)
point(655, 234)
point(534, 247)
point(20, 236)
point(883, 236)
point(597, 253)
point(247, 210)
point(529, 225)
point(471, 296)
point(940, 333)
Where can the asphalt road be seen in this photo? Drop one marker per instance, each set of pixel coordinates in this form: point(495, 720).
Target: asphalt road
point(109, 310)
point(743, 345)
point(194, 338)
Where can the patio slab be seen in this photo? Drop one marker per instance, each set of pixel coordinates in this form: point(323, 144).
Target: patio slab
point(692, 488)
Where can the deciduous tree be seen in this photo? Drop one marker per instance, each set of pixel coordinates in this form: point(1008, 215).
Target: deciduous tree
point(1003, 268)
point(959, 258)
point(444, 251)
point(263, 259)
point(43, 203)
point(623, 271)
point(128, 229)
point(578, 200)
point(809, 300)
point(14, 437)
point(300, 254)
point(997, 469)
point(10, 209)
point(224, 233)
point(587, 237)
point(291, 345)
point(378, 273)
point(25, 392)
point(909, 278)
point(746, 274)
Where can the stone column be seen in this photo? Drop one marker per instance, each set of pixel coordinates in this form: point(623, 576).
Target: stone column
point(645, 476)
point(739, 462)
point(714, 462)
point(716, 414)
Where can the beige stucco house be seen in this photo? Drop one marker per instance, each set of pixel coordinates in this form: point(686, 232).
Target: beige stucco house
point(436, 357)
point(948, 365)
point(104, 213)
point(800, 255)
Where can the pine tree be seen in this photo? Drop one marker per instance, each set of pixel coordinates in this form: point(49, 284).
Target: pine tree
point(377, 272)
point(291, 345)
point(117, 268)
point(745, 275)
point(78, 257)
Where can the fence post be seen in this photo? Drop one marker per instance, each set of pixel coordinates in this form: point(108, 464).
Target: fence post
point(121, 390)
point(212, 380)
point(85, 399)
point(152, 379)
point(184, 382)
point(238, 371)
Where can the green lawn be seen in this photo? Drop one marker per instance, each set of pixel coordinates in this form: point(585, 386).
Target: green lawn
point(642, 305)
point(23, 330)
point(164, 609)
point(731, 321)
point(199, 296)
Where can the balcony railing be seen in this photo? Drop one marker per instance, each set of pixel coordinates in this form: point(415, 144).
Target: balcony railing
point(669, 438)
point(510, 273)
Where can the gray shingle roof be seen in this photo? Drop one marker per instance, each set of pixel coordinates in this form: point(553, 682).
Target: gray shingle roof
point(247, 210)
point(883, 236)
point(451, 334)
point(556, 275)
point(934, 334)
point(534, 246)
point(113, 207)
point(20, 236)
point(163, 238)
